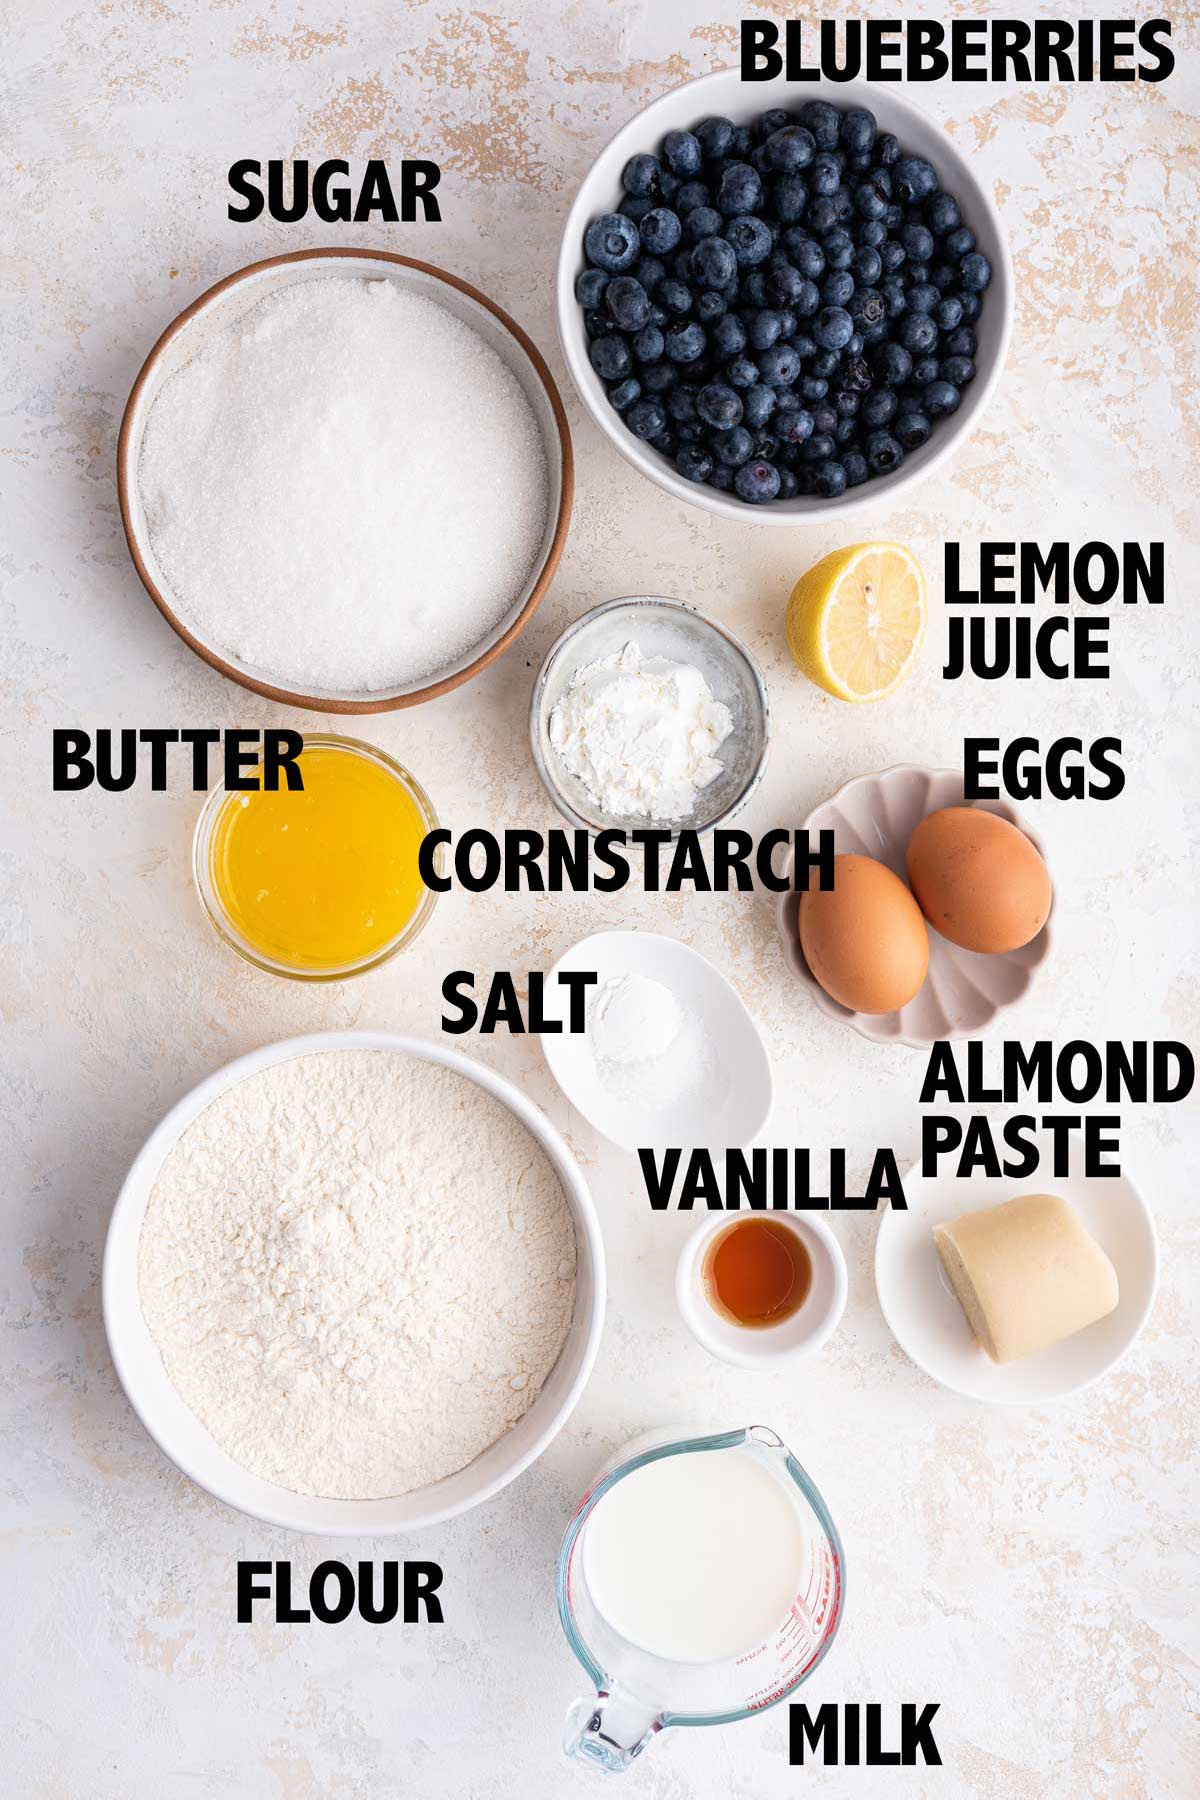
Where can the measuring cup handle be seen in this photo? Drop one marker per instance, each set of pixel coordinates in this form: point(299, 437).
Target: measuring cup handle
point(610, 1730)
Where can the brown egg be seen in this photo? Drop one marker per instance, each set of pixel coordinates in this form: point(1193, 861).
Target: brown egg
point(978, 880)
point(865, 940)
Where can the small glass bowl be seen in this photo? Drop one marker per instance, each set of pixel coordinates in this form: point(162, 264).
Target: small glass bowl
point(210, 899)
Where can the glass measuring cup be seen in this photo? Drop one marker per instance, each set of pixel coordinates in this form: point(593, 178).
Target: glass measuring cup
point(639, 1694)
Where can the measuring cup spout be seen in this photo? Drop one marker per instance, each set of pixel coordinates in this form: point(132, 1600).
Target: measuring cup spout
point(610, 1730)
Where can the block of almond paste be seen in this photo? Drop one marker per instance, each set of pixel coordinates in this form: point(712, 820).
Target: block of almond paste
point(1026, 1274)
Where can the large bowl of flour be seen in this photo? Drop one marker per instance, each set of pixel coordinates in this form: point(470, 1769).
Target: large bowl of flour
point(345, 479)
point(353, 1284)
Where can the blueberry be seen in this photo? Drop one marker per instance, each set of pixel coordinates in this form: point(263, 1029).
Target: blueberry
point(922, 297)
point(872, 233)
point(883, 452)
point(916, 332)
point(661, 231)
point(813, 389)
point(659, 377)
point(975, 271)
point(833, 328)
point(779, 366)
point(972, 307)
point(683, 153)
point(803, 345)
point(773, 120)
point(837, 287)
point(752, 288)
point(824, 177)
point(819, 448)
point(959, 243)
point(681, 404)
point(636, 206)
point(719, 406)
point(674, 297)
point(829, 480)
point(691, 431)
point(839, 249)
point(694, 464)
point(758, 403)
point(789, 487)
point(948, 312)
point(915, 180)
point(789, 197)
point(623, 393)
point(598, 324)
point(823, 215)
point(917, 274)
point(858, 131)
point(847, 402)
point(733, 447)
point(702, 222)
point(641, 175)
point(867, 308)
point(589, 286)
point(710, 307)
point(740, 190)
point(823, 120)
point(887, 149)
point(878, 408)
point(805, 253)
point(729, 336)
point(911, 430)
point(944, 276)
point(793, 427)
point(721, 477)
point(757, 481)
point(741, 372)
point(610, 357)
point(691, 195)
point(750, 237)
point(785, 284)
point(891, 254)
point(713, 262)
point(628, 302)
point(715, 136)
point(893, 218)
point(649, 271)
point(855, 346)
point(962, 342)
point(646, 418)
point(824, 421)
point(665, 441)
point(612, 243)
point(763, 328)
point(789, 149)
point(648, 344)
point(869, 200)
point(957, 370)
point(867, 265)
point(854, 463)
point(917, 241)
point(892, 363)
point(943, 214)
point(823, 362)
point(685, 341)
point(857, 375)
point(924, 370)
point(941, 397)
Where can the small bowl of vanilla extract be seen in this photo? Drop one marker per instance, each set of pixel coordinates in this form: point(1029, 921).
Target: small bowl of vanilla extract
point(761, 1287)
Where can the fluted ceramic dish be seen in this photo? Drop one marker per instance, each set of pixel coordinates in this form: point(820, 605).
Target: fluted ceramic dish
point(875, 815)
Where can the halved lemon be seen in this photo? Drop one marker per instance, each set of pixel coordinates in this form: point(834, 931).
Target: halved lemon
point(856, 620)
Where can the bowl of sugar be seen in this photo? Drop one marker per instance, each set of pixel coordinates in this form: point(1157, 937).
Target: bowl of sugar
point(345, 479)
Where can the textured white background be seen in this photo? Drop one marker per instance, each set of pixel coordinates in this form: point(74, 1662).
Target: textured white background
point(1032, 1571)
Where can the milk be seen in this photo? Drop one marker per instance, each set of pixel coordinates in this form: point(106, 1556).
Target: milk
point(695, 1557)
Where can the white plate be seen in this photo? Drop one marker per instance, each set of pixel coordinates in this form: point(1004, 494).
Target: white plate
point(729, 1106)
point(930, 1325)
point(963, 992)
point(179, 1433)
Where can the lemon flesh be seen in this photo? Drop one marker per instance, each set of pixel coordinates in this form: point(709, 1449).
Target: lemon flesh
point(855, 621)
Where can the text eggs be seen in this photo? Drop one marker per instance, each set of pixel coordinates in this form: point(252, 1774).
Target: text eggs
point(978, 880)
point(864, 940)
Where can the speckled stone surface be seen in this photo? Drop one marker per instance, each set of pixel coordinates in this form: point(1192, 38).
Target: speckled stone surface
point(1032, 1571)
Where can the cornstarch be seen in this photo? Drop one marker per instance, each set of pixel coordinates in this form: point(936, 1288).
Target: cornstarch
point(359, 1269)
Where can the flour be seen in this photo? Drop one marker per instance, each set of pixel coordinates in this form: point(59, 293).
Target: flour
point(641, 734)
point(359, 1269)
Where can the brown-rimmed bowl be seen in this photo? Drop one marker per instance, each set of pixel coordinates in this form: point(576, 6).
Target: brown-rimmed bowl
point(213, 311)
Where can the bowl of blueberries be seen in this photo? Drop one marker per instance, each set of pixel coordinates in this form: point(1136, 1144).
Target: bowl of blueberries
point(784, 303)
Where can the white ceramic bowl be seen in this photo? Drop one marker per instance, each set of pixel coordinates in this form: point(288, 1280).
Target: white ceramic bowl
point(221, 306)
point(929, 1324)
point(726, 94)
point(963, 992)
point(672, 629)
point(751, 1347)
point(729, 1104)
point(180, 1434)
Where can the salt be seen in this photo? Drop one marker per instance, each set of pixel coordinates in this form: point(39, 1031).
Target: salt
point(346, 489)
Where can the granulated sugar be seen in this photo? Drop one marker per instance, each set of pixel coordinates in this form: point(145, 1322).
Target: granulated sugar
point(346, 489)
